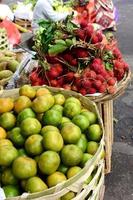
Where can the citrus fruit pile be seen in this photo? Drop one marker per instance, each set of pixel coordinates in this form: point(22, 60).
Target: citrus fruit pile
point(45, 139)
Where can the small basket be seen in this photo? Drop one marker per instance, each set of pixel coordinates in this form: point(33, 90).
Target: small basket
point(4, 43)
point(91, 191)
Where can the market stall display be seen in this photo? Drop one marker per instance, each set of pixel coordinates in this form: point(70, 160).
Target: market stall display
point(77, 58)
point(37, 133)
point(83, 60)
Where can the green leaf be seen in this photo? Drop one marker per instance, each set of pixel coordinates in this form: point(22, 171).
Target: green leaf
point(108, 66)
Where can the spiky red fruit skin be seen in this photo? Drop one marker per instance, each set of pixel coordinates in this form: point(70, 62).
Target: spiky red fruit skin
point(94, 39)
point(117, 64)
point(60, 81)
point(97, 68)
point(102, 89)
point(111, 82)
point(117, 53)
point(67, 87)
point(81, 34)
point(73, 62)
point(83, 91)
point(89, 73)
point(54, 83)
point(51, 59)
point(68, 57)
point(78, 82)
point(111, 73)
point(86, 83)
point(97, 61)
point(69, 76)
point(53, 73)
point(111, 89)
point(81, 53)
point(83, 23)
point(89, 31)
point(97, 84)
point(100, 37)
point(92, 91)
point(59, 68)
point(100, 77)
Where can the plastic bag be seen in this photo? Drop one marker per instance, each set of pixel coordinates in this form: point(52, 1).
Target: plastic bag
point(14, 35)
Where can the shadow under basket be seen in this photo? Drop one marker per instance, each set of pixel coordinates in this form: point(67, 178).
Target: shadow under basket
point(88, 184)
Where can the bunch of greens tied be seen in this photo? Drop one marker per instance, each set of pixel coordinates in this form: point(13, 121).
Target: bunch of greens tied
point(55, 37)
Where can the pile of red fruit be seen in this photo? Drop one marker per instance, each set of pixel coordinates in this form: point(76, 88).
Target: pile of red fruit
point(94, 78)
point(87, 33)
point(82, 68)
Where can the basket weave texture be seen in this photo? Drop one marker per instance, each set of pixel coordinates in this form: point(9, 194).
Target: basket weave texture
point(95, 189)
point(4, 43)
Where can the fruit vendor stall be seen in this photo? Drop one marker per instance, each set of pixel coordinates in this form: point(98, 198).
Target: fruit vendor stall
point(56, 127)
point(84, 60)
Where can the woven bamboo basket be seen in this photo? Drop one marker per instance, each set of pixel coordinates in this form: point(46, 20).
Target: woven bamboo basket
point(4, 43)
point(23, 23)
point(105, 105)
point(95, 189)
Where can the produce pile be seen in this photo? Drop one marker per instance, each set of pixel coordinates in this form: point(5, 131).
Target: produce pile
point(9, 62)
point(77, 58)
point(45, 139)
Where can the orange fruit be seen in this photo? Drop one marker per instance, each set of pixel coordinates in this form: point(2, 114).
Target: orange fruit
point(11, 191)
point(43, 103)
point(24, 167)
point(92, 147)
point(49, 162)
point(62, 168)
point(6, 105)
point(92, 117)
point(8, 178)
point(16, 137)
point(27, 112)
point(21, 103)
point(49, 128)
point(82, 143)
point(73, 171)
point(94, 132)
point(27, 90)
point(5, 142)
point(55, 178)
point(8, 155)
point(35, 184)
point(71, 109)
point(30, 126)
point(81, 121)
point(42, 91)
point(58, 108)
point(71, 155)
point(33, 145)
point(7, 120)
point(85, 158)
point(3, 133)
point(72, 100)
point(52, 140)
point(70, 133)
point(59, 99)
point(52, 117)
